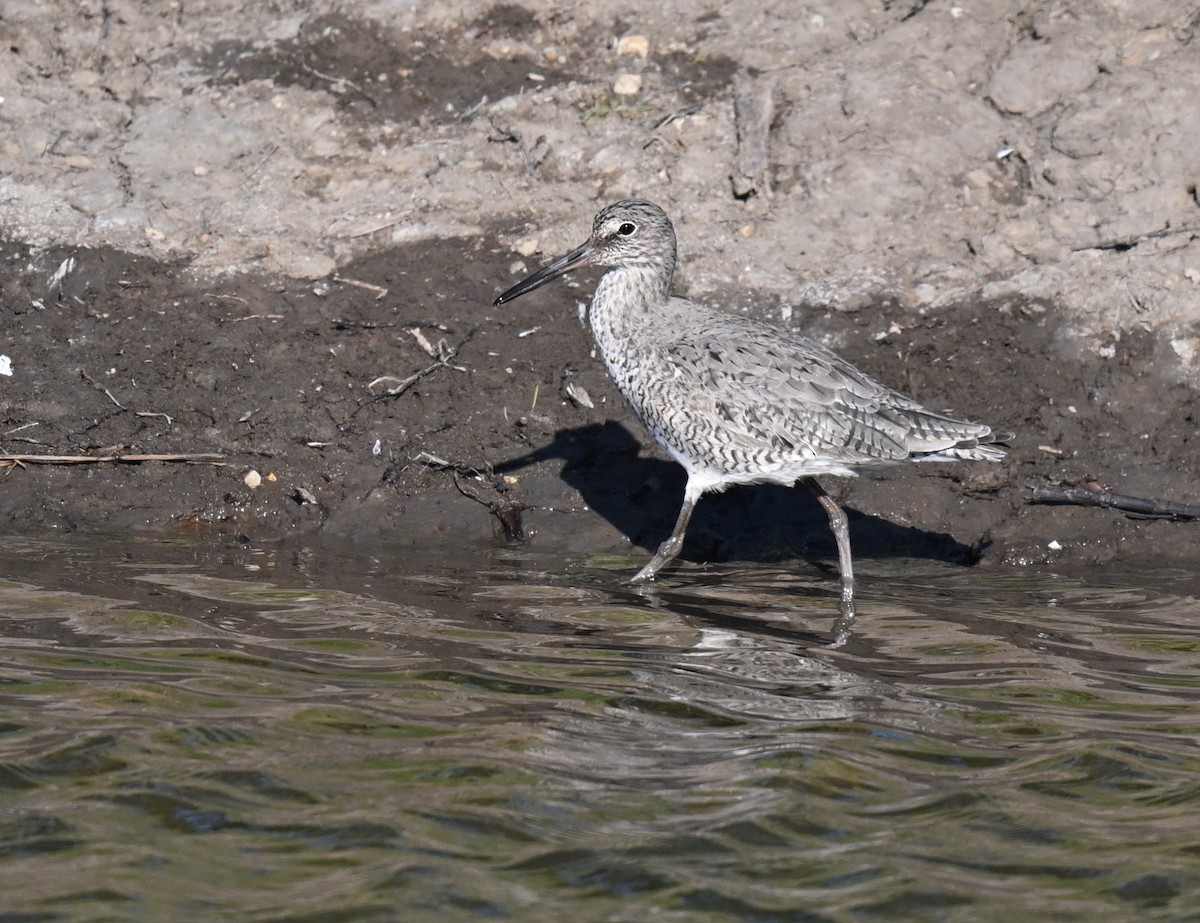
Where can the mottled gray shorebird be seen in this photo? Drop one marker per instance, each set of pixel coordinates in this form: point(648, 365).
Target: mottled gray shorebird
point(736, 400)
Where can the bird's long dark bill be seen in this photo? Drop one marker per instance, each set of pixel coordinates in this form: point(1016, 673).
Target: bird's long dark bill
point(580, 256)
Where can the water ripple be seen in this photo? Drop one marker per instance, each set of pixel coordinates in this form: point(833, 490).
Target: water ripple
point(210, 732)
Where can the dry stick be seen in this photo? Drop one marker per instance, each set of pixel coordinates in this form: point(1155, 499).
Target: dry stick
point(406, 383)
point(99, 387)
point(1078, 496)
point(366, 232)
point(667, 119)
point(445, 354)
point(379, 290)
point(208, 457)
point(1132, 240)
point(137, 413)
point(335, 80)
point(507, 513)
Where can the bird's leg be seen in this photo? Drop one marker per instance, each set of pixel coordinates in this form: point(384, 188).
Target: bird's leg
point(672, 546)
point(841, 533)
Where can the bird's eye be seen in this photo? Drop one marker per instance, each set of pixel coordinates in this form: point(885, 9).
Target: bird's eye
point(627, 228)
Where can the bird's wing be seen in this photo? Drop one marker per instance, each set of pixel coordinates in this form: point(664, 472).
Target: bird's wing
point(770, 387)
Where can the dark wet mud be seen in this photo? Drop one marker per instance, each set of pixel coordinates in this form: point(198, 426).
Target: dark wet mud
point(482, 440)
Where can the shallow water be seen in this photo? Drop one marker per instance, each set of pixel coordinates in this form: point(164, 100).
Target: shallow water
point(208, 732)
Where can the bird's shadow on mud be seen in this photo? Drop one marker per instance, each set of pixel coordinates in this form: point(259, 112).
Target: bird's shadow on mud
point(640, 496)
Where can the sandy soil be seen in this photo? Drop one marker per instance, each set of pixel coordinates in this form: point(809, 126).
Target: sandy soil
point(222, 226)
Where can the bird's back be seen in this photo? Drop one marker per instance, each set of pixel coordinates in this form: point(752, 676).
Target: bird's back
point(749, 401)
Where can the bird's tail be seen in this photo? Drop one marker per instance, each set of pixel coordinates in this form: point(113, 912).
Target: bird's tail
point(980, 445)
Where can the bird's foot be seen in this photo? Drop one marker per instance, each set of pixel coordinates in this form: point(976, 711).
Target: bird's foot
point(841, 628)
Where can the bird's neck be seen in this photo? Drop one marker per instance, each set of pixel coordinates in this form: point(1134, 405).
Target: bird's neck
point(627, 293)
point(623, 311)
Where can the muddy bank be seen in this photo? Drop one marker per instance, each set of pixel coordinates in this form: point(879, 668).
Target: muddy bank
point(236, 231)
point(482, 441)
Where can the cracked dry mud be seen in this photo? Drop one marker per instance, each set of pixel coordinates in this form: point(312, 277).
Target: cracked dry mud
point(220, 227)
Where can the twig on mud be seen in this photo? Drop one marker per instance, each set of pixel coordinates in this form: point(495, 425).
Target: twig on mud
point(194, 458)
point(379, 290)
point(376, 227)
point(336, 81)
point(435, 461)
point(99, 387)
point(1140, 506)
point(680, 113)
point(507, 512)
point(137, 413)
point(261, 163)
point(216, 297)
point(445, 354)
point(345, 323)
point(403, 384)
point(1130, 241)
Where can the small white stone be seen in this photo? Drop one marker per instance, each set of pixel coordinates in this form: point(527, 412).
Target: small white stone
point(527, 246)
point(1186, 348)
point(634, 44)
point(628, 85)
point(252, 479)
point(1054, 545)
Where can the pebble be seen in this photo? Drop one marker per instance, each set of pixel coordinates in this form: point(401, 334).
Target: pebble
point(1187, 349)
point(634, 44)
point(527, 246)
point(628, 85)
